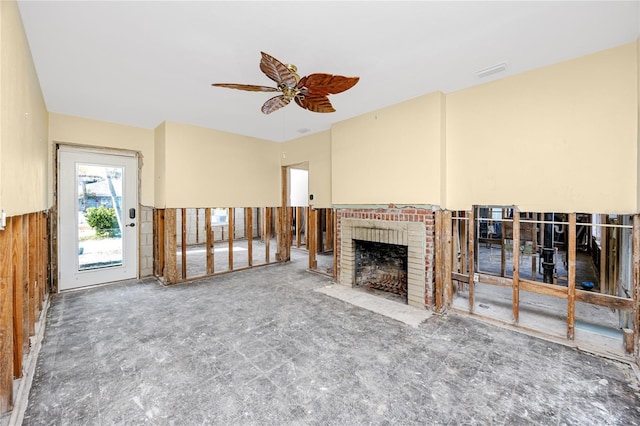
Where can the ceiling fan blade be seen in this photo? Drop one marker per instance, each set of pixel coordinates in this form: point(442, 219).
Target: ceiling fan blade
point(325, 84)
point(248, 87)
point(274, 104)
point(277, 71)
point(315, 103)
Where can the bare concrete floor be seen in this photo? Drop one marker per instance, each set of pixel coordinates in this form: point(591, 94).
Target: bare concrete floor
point(262, 347)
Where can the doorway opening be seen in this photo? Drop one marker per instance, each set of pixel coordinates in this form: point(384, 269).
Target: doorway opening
point(97, 216)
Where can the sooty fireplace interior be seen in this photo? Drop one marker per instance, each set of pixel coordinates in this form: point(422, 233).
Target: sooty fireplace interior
point(381, 266)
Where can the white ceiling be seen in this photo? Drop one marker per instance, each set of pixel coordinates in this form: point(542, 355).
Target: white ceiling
point(142, 62)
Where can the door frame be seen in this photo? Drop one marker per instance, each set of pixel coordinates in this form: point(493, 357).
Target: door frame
point(55, 210)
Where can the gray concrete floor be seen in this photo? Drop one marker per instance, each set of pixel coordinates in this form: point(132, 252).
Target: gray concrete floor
point(262, 347)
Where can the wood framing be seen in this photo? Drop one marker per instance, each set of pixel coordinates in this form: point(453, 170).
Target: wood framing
point(232, 232)
point(312, 238)
point(636, 284)
point(33, 272)
point(158, 242)
point(335, 247)
point(571, 286)
point(603, 253)
point(515, 306)
point(283, 233)
point(448, 256)
point(6, 321)
point(43, 260)
point(18, 294)
point(208, 241)
point(24, 283)
point(439, 278)
point(170, 247)
point(267, 233)
point(329, 230)
point(471, 246)
point(307, 214)
point(248, 217)
point(183, 241)
point(299, 211)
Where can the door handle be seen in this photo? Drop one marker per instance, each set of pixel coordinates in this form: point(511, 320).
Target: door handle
point(131, 224)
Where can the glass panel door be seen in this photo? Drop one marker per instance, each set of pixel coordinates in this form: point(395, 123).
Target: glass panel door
point(97, 217)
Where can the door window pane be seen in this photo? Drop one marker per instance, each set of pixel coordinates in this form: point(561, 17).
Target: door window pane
point(99, 216)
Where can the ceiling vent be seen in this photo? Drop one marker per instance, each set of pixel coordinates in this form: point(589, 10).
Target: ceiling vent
point(493, 69)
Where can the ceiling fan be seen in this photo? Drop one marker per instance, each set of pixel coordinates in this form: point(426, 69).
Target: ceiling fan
point(308, 92)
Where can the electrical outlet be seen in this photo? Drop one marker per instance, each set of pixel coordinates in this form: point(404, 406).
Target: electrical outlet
point(476, 278)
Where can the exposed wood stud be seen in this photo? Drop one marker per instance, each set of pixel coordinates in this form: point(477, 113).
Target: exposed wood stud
point(298, 227)
point(335, 245)
point(636, 284)
point(232, 234)
point(44, 260)
point(183, 238)
point(170, 247)
point(307, 226)
point(283, 233)
point(248, 214)
point(329, 230)
point(208, 241)
point(267, 233)
point(289, 219)
point(502, 245)
point(158, 240)
point(197, 226)
point(319, 238)
point(603, 253)
point(448, 258)
point(33, 267)
point(439, 260)
point(571, 287)
point(516, 266)
point(457, 243)
point(18, 294)
point(312, 242)
point(6, 321)
point(24, 282)
point(464, 242)
point(470, 256)
point(40, 275)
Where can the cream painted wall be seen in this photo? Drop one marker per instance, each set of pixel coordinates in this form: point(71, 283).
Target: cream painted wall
point(316, 150)
point(68, 129)
point(392, 155)
point(160, 165)
point(23, 121)
point(210, 168)
point(560, 138)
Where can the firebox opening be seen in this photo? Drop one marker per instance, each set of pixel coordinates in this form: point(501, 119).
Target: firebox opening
point(381, 267)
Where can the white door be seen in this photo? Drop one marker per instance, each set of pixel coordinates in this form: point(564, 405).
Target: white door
point(97, 217)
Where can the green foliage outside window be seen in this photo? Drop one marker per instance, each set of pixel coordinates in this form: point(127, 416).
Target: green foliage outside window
point(103, 220)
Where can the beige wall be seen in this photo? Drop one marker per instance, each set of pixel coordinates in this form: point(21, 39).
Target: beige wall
point(68, 129)
point(316, 151)
point(210, 168)
point(23, 121)
point(392, 155)
point(561, 138)
point(160, 167)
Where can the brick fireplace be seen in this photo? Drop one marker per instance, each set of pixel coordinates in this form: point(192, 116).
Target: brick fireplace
point(412, 228)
